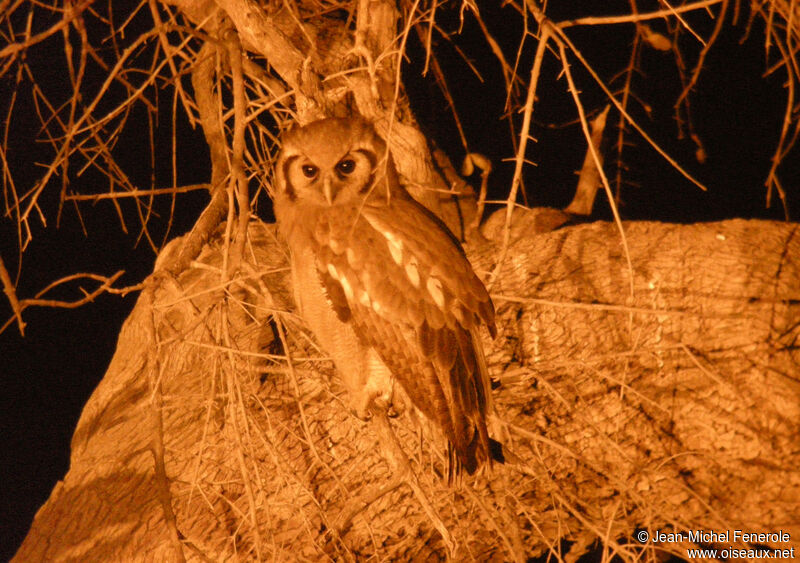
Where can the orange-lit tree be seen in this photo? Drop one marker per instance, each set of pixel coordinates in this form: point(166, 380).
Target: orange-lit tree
point(645, 374)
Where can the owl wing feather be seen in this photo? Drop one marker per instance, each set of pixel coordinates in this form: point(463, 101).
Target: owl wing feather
point(401, 279)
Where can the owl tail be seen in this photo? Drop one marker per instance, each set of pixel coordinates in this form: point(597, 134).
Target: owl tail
point(476, 455)
point(469, 395)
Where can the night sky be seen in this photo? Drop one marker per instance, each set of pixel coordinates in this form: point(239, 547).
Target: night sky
point(47, 377)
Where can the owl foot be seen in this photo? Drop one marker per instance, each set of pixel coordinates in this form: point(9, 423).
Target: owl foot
point(369, 401)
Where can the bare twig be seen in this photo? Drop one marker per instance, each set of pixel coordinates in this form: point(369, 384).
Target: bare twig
point(523, 144)
point(105, 287)
point(11, 294)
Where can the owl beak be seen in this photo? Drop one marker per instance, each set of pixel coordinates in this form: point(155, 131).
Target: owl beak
point(327, 190)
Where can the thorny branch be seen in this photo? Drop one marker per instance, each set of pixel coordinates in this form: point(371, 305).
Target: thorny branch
point(243, 71)
point(19, 305)
point(307, 75)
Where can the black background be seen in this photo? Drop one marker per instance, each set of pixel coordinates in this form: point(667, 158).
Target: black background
point(47, 377)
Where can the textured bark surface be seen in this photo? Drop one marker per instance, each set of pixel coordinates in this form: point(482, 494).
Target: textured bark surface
point(674, 407)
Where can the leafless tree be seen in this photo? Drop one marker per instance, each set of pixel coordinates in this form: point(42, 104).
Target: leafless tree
point(646, 374)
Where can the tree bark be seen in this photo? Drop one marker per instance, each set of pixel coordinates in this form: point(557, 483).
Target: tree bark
point(672, 407)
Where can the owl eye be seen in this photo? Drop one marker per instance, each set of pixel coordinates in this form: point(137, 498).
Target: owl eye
point(309, 171)
point(346, 166)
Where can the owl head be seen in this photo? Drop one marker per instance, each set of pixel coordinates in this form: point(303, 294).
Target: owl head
point(335, 161)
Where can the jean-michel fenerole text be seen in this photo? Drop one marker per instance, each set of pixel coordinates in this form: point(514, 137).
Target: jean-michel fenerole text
point(727, 536)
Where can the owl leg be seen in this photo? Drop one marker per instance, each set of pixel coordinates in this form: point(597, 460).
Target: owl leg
point(377, 389)
point(372, 387)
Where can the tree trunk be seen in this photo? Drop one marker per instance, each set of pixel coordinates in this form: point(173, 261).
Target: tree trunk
point(669, 401)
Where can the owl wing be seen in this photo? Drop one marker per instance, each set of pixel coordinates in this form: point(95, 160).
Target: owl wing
point(397, 274)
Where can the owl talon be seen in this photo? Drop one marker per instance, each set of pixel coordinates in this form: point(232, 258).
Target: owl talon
point(369, 402)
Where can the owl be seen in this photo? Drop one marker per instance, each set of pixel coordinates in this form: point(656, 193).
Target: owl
point(384, 285)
